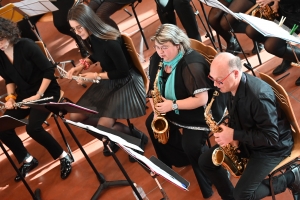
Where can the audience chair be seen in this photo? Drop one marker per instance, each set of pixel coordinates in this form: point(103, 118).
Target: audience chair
point(207, 51)
point(285, 104)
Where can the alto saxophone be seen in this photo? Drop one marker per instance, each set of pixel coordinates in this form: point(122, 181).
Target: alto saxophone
point(226, 156)
point(265, 12)
point(159, 125)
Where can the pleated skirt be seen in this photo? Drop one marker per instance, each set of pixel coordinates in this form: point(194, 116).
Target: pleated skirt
point(119, 99)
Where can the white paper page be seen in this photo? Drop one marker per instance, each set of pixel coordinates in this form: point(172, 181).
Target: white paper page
point(154, 167)
point(269, 28)
point(112, 137)
point(35, 7)
point(217, 4)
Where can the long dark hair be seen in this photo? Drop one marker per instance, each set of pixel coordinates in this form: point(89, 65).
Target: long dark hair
point(86, 17)
point(9, 30)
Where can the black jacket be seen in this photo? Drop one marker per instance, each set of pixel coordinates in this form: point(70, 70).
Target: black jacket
point(257, 119)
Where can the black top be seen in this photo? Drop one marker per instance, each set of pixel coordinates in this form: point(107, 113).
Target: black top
point(190, 78)
point(112, 55)
point(258, 120)
point(29, 67)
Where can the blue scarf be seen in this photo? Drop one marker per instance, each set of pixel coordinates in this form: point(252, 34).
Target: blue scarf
point(170, 84)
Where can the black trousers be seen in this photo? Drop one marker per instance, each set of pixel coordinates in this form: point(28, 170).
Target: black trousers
point(181, 150)
point(185, 13)
point(35, 131)
point(251, 185)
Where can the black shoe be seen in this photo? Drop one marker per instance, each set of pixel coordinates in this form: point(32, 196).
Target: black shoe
point(260, 48)
point(65, 167)
point(233, 47)
point(144, 140)
point(140, 135)
point(112, 146)
point(298, 82)
point(295, 186)
point(283, 67)
point(26, 168)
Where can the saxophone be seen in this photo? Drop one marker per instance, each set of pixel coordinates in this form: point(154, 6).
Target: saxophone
point(159, 125)
point(226, 156)
point(265, 12)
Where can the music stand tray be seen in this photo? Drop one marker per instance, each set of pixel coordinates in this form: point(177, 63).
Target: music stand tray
point(7, 122)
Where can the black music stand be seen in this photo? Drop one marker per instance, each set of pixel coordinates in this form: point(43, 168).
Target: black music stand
point(155, 167)
point(7, 123)
point(61, 109)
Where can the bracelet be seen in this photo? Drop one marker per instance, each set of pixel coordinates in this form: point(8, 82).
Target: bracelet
point(97, 76)
point(85, 64)
point(11, 96)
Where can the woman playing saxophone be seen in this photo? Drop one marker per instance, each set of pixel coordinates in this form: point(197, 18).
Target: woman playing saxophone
point(185, 89)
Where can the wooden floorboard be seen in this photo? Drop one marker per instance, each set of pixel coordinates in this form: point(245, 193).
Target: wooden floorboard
point(82, 183)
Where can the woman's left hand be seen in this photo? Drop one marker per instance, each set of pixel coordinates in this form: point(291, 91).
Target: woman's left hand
point(165, 106)
point(87, 75)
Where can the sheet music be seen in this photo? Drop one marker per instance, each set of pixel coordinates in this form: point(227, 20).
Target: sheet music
point(35, 7)
point(269, 28)
point(112, 137)
point(154, 167)
point(219, 5)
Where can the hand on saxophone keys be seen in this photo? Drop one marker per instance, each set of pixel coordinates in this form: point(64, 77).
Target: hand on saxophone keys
point(225, 136)
point(165, 106)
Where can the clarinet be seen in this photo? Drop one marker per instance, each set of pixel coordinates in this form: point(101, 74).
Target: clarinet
point(19, 104)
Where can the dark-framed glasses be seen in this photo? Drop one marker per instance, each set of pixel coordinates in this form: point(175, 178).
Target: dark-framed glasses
point(163, 48)
point(221, 82)
point(78, 28)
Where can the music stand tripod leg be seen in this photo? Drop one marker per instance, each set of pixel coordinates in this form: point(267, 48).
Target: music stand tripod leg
point(36, 195)
point(165, 196)
point(108, 184)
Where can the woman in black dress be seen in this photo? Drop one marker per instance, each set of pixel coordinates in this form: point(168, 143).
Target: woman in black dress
point(120, 93)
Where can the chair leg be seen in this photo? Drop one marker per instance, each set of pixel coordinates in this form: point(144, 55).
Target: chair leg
point(139, 25)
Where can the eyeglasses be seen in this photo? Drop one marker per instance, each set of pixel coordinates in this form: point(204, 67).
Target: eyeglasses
point(221, 82)
point(78, 28)
point(163, 48)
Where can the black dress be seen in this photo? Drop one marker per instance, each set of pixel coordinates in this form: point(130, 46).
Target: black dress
point(123, 95)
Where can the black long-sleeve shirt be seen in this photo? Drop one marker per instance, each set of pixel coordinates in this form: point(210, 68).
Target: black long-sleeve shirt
point(28, 69)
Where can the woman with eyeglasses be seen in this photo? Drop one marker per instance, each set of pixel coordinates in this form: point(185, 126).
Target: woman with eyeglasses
point(120, 93)
point(185, 88)
point(28, 76)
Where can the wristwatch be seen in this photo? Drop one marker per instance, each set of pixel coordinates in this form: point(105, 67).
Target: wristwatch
point(174, 106)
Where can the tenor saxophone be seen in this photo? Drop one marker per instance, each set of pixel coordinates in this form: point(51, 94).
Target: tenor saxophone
point(159, 125)
point(226, 156)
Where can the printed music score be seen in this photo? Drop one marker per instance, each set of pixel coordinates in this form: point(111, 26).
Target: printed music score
point(112, 137)
point(35, 7)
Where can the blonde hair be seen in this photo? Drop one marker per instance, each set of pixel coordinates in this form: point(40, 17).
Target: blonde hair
point(173, 34)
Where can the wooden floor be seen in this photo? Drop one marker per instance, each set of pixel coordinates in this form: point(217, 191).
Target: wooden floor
point(82, 183)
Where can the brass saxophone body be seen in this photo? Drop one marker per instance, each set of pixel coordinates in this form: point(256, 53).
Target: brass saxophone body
point(226, 156)
point(160, 125)
point(265, 12)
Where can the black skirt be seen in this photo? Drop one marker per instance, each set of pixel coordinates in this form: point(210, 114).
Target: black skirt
point(119, 99)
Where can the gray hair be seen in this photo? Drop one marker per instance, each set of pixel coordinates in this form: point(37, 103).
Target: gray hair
point(235, 63)
point(173, 34)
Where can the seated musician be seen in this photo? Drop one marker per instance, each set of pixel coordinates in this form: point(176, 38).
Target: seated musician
point(277, 46)
point(120, 93)
point(28, 76)
point(185, 89)
point(258, 126)
point(223, 25)
point(165, 10)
